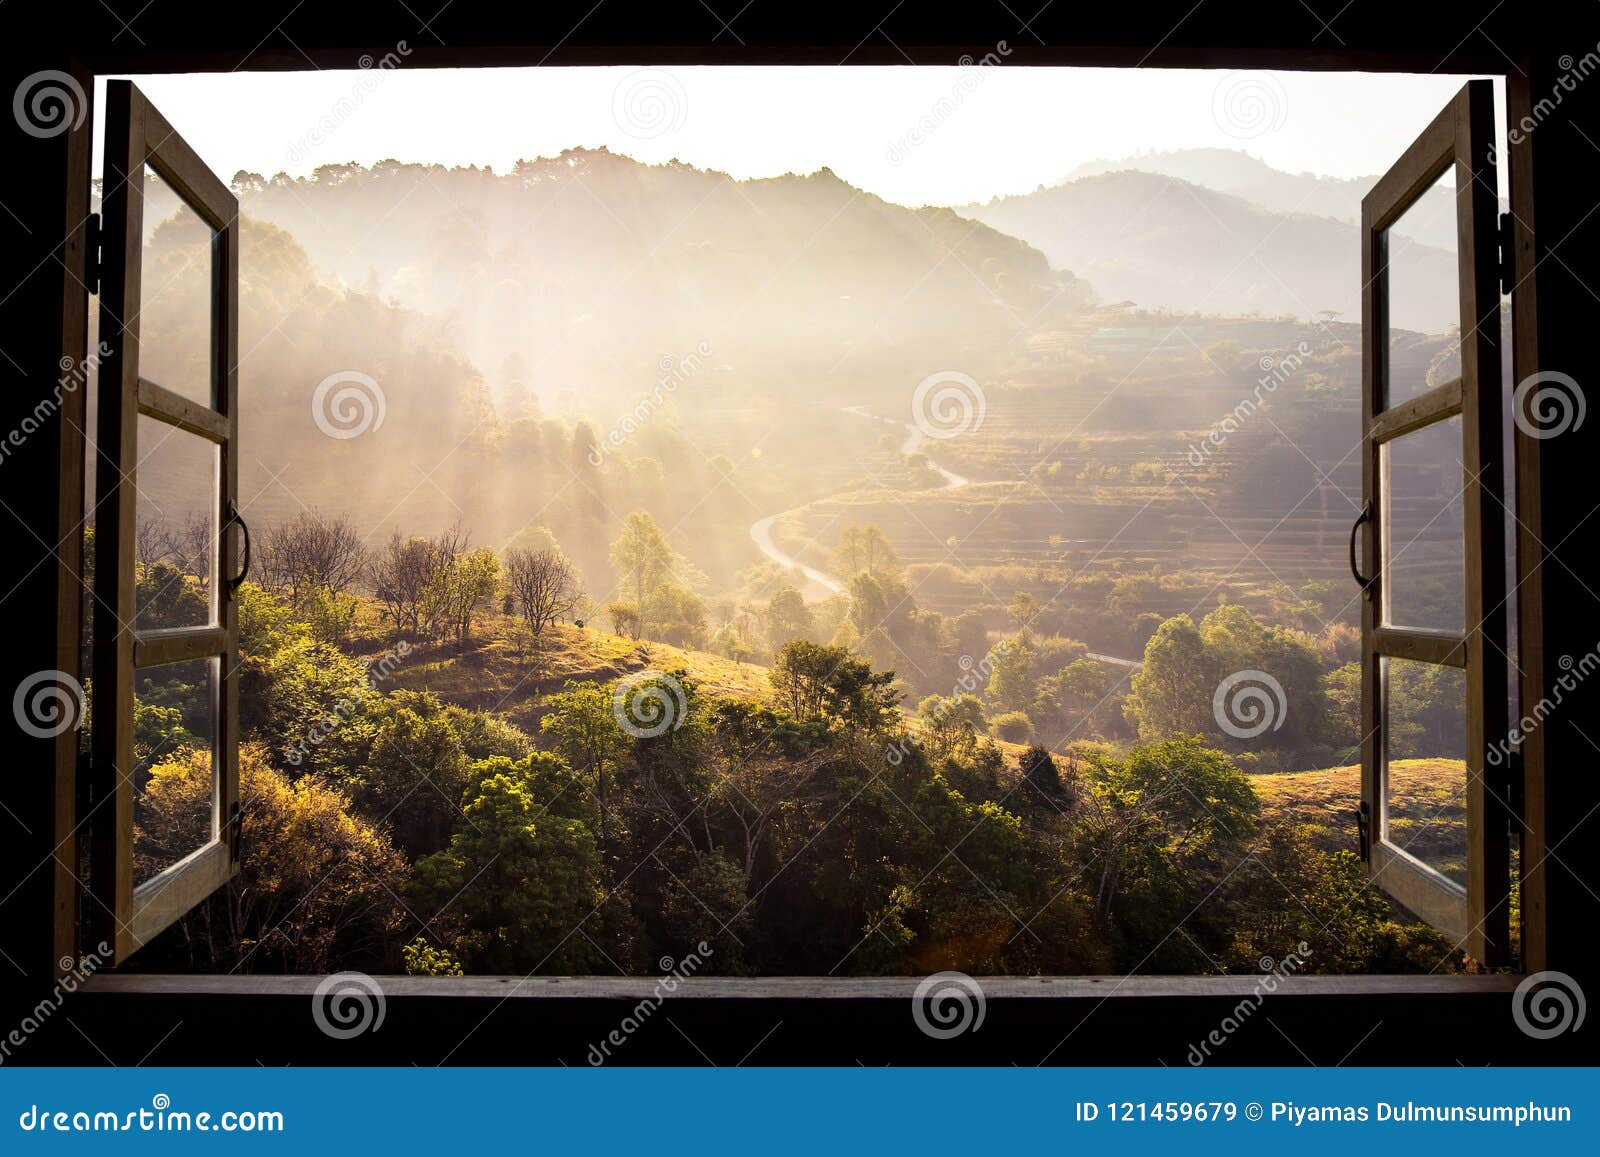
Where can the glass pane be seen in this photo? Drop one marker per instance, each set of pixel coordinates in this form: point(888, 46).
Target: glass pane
point(1424, 303)
point(175, 295)
point(1424, 544)
point(174, 778)
point(1424, 764)
point(175, 528)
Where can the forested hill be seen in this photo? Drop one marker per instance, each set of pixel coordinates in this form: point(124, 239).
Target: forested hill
point(596, 266)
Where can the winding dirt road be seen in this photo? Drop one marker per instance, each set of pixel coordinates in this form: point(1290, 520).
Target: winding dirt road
point(825, 583)
point(818, 580)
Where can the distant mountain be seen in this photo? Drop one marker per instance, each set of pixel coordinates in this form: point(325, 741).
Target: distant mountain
point(1236, 171)
point(1166, 242)
point(593, 267)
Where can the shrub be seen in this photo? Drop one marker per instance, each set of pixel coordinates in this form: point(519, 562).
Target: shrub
point(1012, 726)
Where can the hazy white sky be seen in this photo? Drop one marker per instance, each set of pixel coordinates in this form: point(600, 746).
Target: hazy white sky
point(912, 135)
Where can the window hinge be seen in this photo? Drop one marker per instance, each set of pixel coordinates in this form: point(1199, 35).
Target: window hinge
point(1364, 831)
point(1516, 801)
point(1508, 251)
point(91, 253)
point(85, 787)
point(235, 832)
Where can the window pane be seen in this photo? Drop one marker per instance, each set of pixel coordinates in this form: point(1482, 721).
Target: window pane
point(1424, 764)
point(175, 295)
point(1424, 304)
point(175, 534)
point(174, 744)
point(1424, 544)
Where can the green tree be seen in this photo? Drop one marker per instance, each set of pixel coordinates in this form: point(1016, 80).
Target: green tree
point(582, 721)
point(828, 684)
point(643, 561)
point(707, 901)
point(521, 875)
point(163, 596)
point(677, 615)
point(1171, 693)
point(1012, 726)
point(788, 617)
point(1160, 831)
point(1039, 771)
point(412, 778)
point(462, 587)
point(316, 892)
point(865, 550)
point(1012, 685)
point(950, 726)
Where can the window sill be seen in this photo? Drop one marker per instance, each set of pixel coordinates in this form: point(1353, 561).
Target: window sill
point(810, 988)
point(1145, 1020)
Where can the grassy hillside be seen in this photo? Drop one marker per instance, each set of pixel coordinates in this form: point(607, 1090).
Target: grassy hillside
point(498, 671)
point(1427, 810)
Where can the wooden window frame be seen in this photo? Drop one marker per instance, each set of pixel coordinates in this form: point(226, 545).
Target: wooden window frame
point(1461, 138)
point(56, 902)
point(124, 915)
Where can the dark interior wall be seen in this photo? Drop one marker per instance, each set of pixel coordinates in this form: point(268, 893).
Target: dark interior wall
point(1559, 535)
point(1422, 36)
point(43, 298)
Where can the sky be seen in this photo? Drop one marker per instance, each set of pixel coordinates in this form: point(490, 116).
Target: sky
point(928, 135)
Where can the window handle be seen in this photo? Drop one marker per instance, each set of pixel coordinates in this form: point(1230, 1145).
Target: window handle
point(234, 517)
point(1355, 570)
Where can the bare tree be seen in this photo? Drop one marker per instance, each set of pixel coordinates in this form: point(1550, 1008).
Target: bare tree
point(269, 568)
point(152, 542)
point(313, 551)
point(410, 577)
point(544, 585)
point(194, 544)
point(401, 574)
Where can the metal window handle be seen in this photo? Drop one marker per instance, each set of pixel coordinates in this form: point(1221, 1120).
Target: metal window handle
point(1355, 570)
point(244, 571)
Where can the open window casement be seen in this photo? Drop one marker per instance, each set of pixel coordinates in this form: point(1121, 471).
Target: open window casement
point(1434, 661)
point(166, 531)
